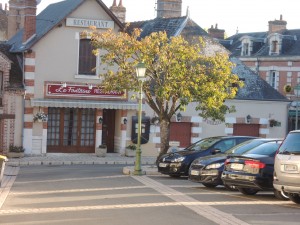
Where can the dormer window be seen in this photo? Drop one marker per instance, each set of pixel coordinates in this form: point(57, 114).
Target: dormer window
point(275, 43)
point(247, 45)
point(246, 49)
point(274, 46)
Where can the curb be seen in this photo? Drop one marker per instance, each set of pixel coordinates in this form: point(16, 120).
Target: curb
point(146, 170)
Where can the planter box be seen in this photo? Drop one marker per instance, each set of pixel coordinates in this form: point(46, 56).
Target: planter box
point(100, 152)
point(15, 154)
point(129, 152)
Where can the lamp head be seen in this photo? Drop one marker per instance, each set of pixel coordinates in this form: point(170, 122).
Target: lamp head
point(140, 70)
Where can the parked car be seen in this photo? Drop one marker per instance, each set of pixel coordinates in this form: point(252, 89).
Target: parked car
point(287, 167)
point(208, 170)
point(176, 164)
point(253, 171)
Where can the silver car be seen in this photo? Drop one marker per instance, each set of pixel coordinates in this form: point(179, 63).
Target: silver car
point(287, 167)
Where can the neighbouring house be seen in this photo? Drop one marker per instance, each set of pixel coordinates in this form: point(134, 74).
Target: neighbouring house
point(11, 99)
point(274, 55)
point(56, 63)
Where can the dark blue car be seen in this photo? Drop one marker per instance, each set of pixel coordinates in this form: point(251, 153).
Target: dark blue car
point(208, 170)
point(177, 164)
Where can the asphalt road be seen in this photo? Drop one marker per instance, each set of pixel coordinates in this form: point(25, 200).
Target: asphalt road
point(101, 194)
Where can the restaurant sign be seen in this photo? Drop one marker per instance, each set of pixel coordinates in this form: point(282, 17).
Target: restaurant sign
point(82, 91)
point(100, 24)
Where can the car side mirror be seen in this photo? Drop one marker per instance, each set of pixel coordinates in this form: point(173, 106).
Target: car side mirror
point(216, 151)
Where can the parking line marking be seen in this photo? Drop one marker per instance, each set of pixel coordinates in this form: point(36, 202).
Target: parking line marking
point(206, 211)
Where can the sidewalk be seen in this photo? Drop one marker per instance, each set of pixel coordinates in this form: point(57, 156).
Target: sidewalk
point(148, 162)
point(13, 164)
point(70, 159)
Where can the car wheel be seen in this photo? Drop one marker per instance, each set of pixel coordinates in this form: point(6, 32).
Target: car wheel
point(174, 175)
point(281, 195)
point(294, 197)
point(229, 187)
point(248, 191)
point(209, 185)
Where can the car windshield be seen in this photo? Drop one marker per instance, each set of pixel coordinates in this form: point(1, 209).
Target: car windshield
point(268, 149)
point(243, 147)
point(291, 144)
point(203, 144)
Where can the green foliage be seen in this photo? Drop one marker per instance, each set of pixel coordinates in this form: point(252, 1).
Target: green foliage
point(131, 147)
point(13, 148)
point(177, 73)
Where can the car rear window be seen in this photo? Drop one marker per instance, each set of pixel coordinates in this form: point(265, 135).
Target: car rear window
point(243, 147)
point(291, 144)
point(268, 149)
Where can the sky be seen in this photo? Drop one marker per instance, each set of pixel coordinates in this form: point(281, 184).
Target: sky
point(230, 15)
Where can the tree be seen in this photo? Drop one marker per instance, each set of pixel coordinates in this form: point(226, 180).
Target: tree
point(177, 74)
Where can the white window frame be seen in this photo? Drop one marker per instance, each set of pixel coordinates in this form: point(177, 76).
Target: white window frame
point(273, 79)
point(275, 38)
point(98, 61)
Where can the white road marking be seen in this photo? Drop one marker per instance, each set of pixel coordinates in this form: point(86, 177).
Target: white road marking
point(206, 211)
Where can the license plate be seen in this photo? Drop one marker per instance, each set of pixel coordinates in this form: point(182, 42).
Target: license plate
point(236, 166)
point(195, 172)
point(163, 164)
point(289, 167)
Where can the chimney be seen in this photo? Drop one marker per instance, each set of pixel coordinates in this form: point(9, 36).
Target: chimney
point(169, 8)
point(277, 25)
point(216, 32)
point(119, 11)
point(30, 19)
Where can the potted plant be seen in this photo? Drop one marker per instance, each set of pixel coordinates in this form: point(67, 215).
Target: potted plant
point(272, 122)
point(40, 117)
point(130, 150)
point(15, 151)
point(101, 150)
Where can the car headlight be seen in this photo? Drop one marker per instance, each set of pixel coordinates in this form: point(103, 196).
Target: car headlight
point(214, 166)
point(196, 162)
point(180, 159)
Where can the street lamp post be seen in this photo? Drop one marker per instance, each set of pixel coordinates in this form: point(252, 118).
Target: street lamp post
point(140, 73)
point(297, 93)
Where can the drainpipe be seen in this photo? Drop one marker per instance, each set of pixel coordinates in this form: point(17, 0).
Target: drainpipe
point(23, 100)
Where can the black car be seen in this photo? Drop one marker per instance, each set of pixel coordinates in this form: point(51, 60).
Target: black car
point(208, 170)
point(177, 164)
point(253, 171)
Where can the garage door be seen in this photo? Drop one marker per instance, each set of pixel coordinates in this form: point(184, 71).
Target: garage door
point(246, 129)
point(181, 132)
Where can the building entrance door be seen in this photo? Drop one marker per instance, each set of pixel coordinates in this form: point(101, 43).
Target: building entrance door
point(71, 130)
point(108, 129)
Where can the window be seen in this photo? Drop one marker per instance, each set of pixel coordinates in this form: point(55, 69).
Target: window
point(87, 60)
point(273, 79)
point(274, 47)
point(245, 49)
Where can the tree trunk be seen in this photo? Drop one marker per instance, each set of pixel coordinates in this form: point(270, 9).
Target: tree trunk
point(164, 136)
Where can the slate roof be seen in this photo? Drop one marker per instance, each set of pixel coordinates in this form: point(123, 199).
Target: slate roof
point(255, 88)
point(49, 18)
point(172, 26)
point(290, 43)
